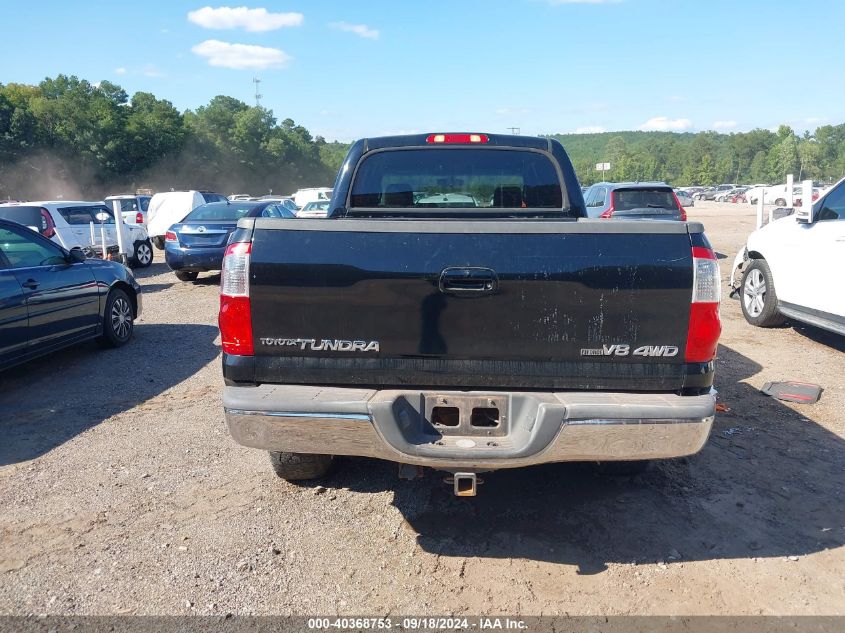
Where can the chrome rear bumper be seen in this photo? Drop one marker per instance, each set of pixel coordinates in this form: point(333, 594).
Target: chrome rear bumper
point(541, 427)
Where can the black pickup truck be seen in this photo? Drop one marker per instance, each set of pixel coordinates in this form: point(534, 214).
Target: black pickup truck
point(458, 310)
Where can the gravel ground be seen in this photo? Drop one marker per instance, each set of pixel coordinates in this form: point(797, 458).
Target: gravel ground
point(123, 493)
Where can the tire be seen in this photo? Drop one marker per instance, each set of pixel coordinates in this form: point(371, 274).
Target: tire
point(780, 202)
point(118, 320)
point(158, 242)
point(143, 257)
point(758, 297)
point(186, 275)
point(300, 466)
point(625, 469)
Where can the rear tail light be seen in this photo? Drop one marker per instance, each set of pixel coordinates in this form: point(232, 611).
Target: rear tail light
point(170, 236)
point(607, 214)
point(139, 218)
point(235, 317)
point(704, 323)
point(680, 207)
point(457, 138)
point(48, 227)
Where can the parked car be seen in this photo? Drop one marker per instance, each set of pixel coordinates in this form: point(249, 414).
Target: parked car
point(684, 198)
point(51, 297)
point(196, 244)
point(467, 340)
point(797, 200)
point(788, 268)
point(712, 192)
point(311, 194)
point(68, 224)
point(170, 207)
point(240, 196)
point(314, 209)
point(633, 201)
point(285, 201)
point(134, 207)
point(725, 196)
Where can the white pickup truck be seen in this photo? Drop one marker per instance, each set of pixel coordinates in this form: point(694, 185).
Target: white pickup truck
point(789, 268)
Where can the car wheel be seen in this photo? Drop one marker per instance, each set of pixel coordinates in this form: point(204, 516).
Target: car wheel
point(759, 300)
point(299, 466)
point(186, 275)
point(158, 241)
point(143, 254)
point(780, 202)
point(118, 319)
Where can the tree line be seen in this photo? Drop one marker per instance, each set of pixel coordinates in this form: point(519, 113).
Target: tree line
point(67, 137)
point(710, 158)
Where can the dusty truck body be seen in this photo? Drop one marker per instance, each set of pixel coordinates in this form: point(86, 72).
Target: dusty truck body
point(499, 331)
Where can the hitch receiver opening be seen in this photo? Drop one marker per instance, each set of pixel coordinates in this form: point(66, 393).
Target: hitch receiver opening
point(465, 484)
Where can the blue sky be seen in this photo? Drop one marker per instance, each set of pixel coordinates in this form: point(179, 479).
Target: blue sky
point(349, 69)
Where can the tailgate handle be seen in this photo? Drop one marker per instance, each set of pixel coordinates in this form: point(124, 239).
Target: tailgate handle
point(468, 282)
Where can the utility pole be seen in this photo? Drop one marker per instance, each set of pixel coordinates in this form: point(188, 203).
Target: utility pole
point(514, 130)
point(258, 94)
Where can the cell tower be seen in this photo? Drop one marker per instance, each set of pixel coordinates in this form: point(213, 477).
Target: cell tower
point(258, 94)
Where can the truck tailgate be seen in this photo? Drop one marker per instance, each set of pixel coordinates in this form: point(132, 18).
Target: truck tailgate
point(477, 303)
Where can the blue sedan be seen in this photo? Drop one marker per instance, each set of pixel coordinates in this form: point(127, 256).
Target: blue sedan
point(198, 242)
point(51, 298)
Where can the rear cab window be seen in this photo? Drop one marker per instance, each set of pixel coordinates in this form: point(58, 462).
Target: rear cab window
point(464, 179)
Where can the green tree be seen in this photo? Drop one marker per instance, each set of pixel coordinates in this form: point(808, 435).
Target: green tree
point(706, 172)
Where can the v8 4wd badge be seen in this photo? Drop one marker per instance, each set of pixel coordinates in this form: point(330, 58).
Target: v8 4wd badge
point(665, 351)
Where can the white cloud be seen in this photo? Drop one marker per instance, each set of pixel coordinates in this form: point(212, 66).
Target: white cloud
point(151, 71)
point(254, 20)
point(724, 125)
point(359, 29)
point(120, 71)
point(665, 124)
point(815, 119)
point(240, 56)
point(590, 129)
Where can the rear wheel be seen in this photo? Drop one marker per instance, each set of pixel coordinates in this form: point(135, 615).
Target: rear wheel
point(759, 300)
point(118, 319)
point(299, 466)
point(780, 202)
point(186, 275)
point(143, 254)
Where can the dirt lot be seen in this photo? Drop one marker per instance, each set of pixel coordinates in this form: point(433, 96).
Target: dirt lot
point(123, 493)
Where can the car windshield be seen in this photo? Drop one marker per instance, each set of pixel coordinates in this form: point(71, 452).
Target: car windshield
point(628, 199)
point(316, 206)
point(457, 178)
point(220, 212)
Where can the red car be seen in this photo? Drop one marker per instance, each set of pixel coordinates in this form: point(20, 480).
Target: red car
point(796, 202)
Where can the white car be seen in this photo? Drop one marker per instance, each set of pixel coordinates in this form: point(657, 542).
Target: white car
point(314, 209)
point(79, 224)
point(313, 194)
point(790, 267)
point(168, 208)
point(134, 207)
